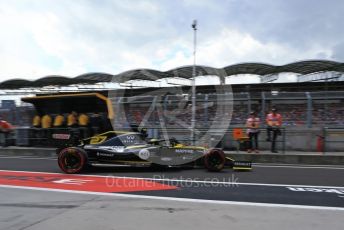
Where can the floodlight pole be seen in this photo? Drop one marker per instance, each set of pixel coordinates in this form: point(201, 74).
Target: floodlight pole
point(193, 97)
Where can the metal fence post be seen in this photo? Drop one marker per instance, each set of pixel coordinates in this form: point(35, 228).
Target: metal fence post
point(324, 139)
point(262, 117)
point(309, 119)
point(206, 110)
point(249, 107)
point(284, 139)
point(116, 121)
point(165, 102)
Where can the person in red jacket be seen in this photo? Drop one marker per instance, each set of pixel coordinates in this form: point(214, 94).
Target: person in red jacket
point(5, 128)
point(274, 123)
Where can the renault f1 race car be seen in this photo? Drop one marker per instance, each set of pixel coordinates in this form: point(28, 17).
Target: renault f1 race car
point(133, 149)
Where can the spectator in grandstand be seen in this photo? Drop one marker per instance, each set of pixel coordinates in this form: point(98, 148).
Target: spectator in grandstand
point(36, 121)
point(72, 120)
point(58, 121)
point(252, 124)
point(274, 122)
point(46, 121)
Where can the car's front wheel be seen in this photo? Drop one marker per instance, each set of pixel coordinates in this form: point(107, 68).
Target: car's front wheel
point(72, 160)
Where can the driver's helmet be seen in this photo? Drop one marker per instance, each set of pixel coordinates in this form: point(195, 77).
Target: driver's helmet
point(143, 131)
point(173, 141)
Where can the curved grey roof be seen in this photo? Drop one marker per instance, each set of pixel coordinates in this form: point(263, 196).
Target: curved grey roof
point(301, 67)
point(94, 77)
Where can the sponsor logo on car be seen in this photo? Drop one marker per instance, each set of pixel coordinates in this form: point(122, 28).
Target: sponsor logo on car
point(187, 157)
point(129, 139)
point(242, 163)
point(166, 159)
point(119, 149)
point(105, 154)
point(61, 136)
point(184, 150)
point(144, 154)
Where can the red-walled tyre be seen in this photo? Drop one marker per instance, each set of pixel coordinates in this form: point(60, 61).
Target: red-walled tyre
point(215, 160)
point(72, 160)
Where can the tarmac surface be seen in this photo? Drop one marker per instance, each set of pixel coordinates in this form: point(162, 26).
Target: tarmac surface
point(36, 195)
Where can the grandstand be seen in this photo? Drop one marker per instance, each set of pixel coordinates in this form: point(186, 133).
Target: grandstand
point(307, 107)
point(310, 70)
point(313, 102)
point(302, 104)
point(315, 99)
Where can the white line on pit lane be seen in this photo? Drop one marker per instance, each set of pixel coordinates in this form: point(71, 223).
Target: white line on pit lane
point(187, 181)
point(27, 157)
point(258, 165)
point(220, 202)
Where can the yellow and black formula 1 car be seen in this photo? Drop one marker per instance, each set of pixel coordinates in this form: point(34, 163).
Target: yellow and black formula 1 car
point(133, 149)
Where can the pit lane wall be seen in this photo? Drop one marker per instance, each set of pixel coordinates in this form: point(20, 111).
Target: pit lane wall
point(301, 139)
point(320, 140)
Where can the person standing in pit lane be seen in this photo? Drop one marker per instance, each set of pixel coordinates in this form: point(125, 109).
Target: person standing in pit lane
point(274, 123)
point(5, 129)
point(252, 125)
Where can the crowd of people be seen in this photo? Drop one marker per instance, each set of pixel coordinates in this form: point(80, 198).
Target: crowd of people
point(294, 115)
point(328, 114)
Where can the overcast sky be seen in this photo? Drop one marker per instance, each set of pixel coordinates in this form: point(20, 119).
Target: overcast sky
point(72, 37)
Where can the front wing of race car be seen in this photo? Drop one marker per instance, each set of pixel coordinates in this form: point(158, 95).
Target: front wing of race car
point(239, 165)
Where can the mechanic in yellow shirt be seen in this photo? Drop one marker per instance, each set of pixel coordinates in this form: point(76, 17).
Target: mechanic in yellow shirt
point(46, 121)
point(58, 121)
point(83, 120)
point(36, 121)
point(72, 120)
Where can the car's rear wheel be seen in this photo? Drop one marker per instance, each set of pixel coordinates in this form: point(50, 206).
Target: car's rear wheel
point(72, 160)
point(215, 160)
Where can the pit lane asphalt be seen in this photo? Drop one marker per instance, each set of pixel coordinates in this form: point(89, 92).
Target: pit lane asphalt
point(266, 174)
point(264, 184)
point(265, 203)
